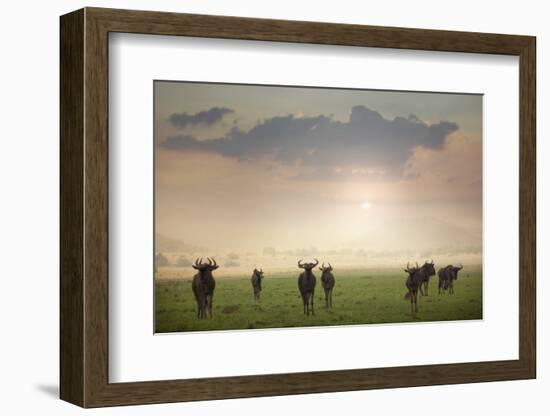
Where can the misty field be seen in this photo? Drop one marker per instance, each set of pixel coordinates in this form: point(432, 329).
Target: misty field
point(366, 296)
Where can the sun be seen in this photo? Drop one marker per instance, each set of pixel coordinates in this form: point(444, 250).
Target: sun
point(366, 205)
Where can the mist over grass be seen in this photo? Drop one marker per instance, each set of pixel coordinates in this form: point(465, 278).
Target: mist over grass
point(233, 264)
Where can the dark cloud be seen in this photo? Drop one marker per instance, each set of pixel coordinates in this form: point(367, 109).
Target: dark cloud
point(208, 117)
point(366, 140)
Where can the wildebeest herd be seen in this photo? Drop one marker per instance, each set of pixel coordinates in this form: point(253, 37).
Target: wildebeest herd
point(418, 279)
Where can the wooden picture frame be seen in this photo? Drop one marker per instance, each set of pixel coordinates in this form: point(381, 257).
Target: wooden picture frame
point(84, 207)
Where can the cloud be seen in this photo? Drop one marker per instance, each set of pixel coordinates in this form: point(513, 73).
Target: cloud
point(207, 117)
point(458, 163)
point(367, 140)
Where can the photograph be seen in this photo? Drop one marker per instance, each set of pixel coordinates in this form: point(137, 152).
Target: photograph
point(290, 206)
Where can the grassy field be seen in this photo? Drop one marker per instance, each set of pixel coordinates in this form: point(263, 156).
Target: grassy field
point(359, 297)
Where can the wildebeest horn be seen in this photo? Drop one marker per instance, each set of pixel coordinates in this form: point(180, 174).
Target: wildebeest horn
point(300, 264)
point(215, 264)
point(461, 266)
point(316, 262)
point(323, 266)
point(209, 261)
point(329, 266)
point(198, 264)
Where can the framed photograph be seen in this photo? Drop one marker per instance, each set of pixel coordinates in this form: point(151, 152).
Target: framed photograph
point(256, 207)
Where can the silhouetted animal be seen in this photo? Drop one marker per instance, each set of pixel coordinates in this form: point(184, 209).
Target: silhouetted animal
point(412, 283)
point(257, 276)
point(447, 276)
point(306, 285)
point(203, 286)
point(416, 276)
point(425, 278)
point(328, 282)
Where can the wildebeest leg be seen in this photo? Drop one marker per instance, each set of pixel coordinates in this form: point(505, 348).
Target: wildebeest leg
point(330, 298)
point(426, 287)
point(326, 297)
point(304, 301)
point(200, 307)
point(312, 297)
point(209, 303)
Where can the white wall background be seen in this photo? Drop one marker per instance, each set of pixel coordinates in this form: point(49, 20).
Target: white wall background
point(29, 85)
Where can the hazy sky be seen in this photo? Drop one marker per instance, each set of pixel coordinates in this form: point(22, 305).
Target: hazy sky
point(242, 168)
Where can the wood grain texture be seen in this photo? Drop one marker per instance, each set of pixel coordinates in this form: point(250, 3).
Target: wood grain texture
point(71, 208)
point(527, 207)
point(96, 228)
point(84, 207)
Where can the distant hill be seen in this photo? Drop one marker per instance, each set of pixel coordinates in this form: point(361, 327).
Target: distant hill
point(164, 244)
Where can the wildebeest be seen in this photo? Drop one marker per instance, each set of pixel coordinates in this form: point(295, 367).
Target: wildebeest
point(327, 280)
point(447, 276)
point(306, 285)
point(425, 279)
point(416, 276)
point(257, 276)
point(203, 286)
point(413, 283)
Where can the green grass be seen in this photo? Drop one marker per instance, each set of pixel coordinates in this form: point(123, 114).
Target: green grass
point(359, 297)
